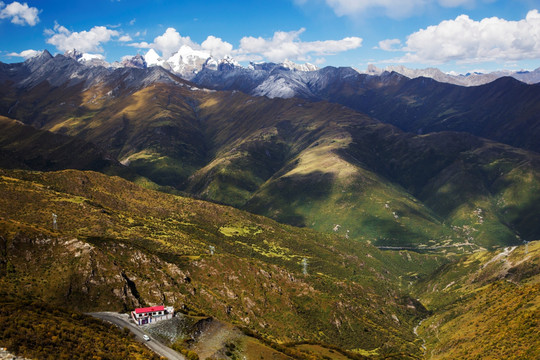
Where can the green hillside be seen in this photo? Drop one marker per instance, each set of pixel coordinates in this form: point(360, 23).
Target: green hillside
point(119, 246)
point(309, 164)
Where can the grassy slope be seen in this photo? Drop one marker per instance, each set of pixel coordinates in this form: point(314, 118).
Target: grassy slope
point(112, 232)
point(310, 164)
point(340, 167)
point(23, 146)
point(485, 306)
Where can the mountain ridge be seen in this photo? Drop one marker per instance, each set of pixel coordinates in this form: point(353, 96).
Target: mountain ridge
point(246, 151)
point(188, 62)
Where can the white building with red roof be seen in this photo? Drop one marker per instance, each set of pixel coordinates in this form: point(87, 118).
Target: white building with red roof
point(152, 314)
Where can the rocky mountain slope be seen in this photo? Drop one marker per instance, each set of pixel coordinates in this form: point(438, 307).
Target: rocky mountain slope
point(504, 110)
point(208, 259)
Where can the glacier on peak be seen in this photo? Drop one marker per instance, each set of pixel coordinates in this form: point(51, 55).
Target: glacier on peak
point(87, 58)
point(187, 62)
point(152, 58)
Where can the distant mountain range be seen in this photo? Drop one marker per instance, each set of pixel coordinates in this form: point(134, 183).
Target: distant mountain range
point(469, 79)
point(187, 63)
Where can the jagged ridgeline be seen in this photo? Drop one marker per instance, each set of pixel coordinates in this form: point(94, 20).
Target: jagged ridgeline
point(312, 164)
point(117, 246)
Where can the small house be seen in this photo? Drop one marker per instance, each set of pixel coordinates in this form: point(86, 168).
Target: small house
point(152, 314)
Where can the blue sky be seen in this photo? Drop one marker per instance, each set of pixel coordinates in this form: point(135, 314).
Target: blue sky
point(453, 35)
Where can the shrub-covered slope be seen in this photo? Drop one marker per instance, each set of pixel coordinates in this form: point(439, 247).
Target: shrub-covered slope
point(36, 330)
point(119, 246)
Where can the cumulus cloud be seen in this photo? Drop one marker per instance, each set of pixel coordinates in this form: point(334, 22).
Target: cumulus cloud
point(125, 38)
point(89, 57)
point(391, 8)
point(287, 45)
point(283, 45)
point(84, 41)
point(168, 43)
point(466, 40)
point(20, 14)
point(217, 47)
point(389, 44)
point(27, 54)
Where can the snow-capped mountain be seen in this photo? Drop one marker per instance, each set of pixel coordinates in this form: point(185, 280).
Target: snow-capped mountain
point(284, 80)
point(275, 80)
point(74, 68)
point(188, 62)
point(86, 58)
point(300, 67)
point(152, 58)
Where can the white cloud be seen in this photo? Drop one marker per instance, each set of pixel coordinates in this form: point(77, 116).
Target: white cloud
point(20, 14)
point(283, 45)
point(84, 41)
point(27, 54)
point(217, 47)
point(168, 43)
point(389, 45)
point(466, 40)
point(140, 34)
point(125, 38)
point(287, 45)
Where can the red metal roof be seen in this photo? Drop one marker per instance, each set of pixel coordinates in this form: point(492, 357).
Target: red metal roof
point(149, 309)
